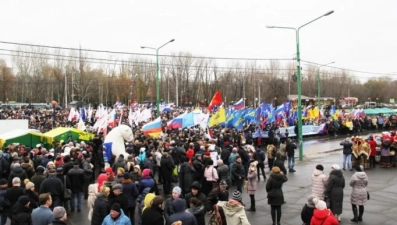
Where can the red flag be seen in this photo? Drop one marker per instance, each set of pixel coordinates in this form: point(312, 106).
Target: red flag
point(216, 100)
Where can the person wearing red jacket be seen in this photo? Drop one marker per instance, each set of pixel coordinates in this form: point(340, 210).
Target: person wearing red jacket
point(372, 144)
point(322, 215)
point(190, 153)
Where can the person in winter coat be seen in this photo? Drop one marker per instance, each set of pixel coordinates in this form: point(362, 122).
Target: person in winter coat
point(347, 153)
point(92, 193)
point(232, 161)
point(290, 148)
point(119, 163)
point(117, 196)
point(116, 216)
point(101, 179)
point(234, 210)
point(168, 209)
point(60, 216)
point(322, 215)
point(251, 185)
point(179, 207)
point(131, 193)
point(217, 194)
point(223, 172)
point(196, 207)
point(136, 175)
point(279, 162)
point(38, 178)
point(153, 215)
point(20, 212)
point(76, 178)
point(196, 193)
point(334, 190)
point(17, 171)
point(187, 175)
point(271, 153)
point(101, 206)
point(238, 173)
point(12, 194)
point(275, 196)
point(54, 186)
point(260, 156)
point(28, 168)
point(142, 203)
point(210, 177)
point(307, 210)
point(146, 182)
point(359, 196)
point(32, 194)
point(319, 182)
point(119, 175)
point(167, 166)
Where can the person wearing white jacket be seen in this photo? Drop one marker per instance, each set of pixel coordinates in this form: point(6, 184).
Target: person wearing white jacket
point(319, 182)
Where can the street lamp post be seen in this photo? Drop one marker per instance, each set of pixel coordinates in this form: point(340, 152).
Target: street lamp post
point(157, 74)
point(318, 82)
point(300, 137)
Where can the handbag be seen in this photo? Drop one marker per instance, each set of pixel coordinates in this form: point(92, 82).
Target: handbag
point(67, 193)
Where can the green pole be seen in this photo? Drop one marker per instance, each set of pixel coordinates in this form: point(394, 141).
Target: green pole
point(300, 135)
point(157, 83)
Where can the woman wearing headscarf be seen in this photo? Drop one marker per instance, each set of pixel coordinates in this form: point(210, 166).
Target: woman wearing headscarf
point(307, 210)
point(359, 196)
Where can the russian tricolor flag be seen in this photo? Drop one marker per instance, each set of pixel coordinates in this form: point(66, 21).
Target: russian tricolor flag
point(239, 105)
point(153, 128)
point(176, 123)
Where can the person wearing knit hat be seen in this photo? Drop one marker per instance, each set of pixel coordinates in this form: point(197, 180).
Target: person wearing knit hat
point(237, 196)
point(116, 214)
point(20, 212)
point(307, 210)
point(59, 213)
point(117, 187)
point(322, 215)
point(176, 193)
point(146, 173)
point(23, 200)
point(334, 191)
point(29, 186)
point(234, 210)
point(319, 181)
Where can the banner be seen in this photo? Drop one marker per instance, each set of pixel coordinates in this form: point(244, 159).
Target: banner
point(306, 130)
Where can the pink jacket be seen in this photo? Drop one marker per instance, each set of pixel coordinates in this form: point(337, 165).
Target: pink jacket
point(211, 174)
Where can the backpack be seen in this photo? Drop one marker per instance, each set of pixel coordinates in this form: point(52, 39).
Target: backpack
point(216, 218)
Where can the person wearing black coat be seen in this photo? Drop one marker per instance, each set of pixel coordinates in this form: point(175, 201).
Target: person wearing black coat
point(307, 210)
point(195, 192)
point(166, 165)
point(290, 148)
point(54, 186)
point(279, 162)
point(131, 193)
point(238, 174)
point(20, 212)
point(334, 190)
point(197, 208)
point(275, 196)
point(17, 171)
point(117, 196)
point(101, 209)
point(13, 193)
point(187, 175)
point(76, 178)
point(38, 178)
point(68, 165)
point(225, 154)
point(154, 214)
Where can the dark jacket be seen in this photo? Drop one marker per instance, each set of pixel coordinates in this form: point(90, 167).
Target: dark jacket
point(273, 189)
point(28, 169)
point(146, 182)
point(238, 171)
point(280, 164)
point(33, 198)
point(178, 205)
point(76, 177)
point(121, 199)
point(166, 165)
point(187, 175)
point(119, 163)
point(130, 191)
point(259, 155)
point(225, 155)
point(148, 164)
point(290, 148)
point(244, 156)
point(20, 215)
point(17, 171)
point(58, 222)
point(216, 195)
point(200, 196)
point(101, 209)
point(198, 213)
point(347, 147)
point(87, 170)
point(52, 185)
point(37, 179)
point(334, 190)
point(307, 214)
point(153, 216)
point(168, 209)
point(12, 194)
point(67, 166)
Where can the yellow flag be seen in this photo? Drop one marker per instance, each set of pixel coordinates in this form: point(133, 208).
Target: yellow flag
point(217, 118)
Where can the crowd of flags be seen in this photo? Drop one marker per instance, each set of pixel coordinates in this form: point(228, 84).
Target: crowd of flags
point(234, 116)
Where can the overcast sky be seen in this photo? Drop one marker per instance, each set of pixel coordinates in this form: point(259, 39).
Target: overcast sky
point(360, 35)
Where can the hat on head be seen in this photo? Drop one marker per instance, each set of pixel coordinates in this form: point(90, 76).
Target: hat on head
point(335, 167)
point(320, 167)
point(58, 212)
point(116, 207)
point(223, 183)
point(40, 169)
point(137, 166)
point(359, 168)
point(146, 172)
point(76, 163)
point(3, 181)
point(177, 190)
point(117, 187)
point(310, 200)
point(121, 156)
point(207, 153)
point(23, 200)
point(320, 204)
point(126, 176)
point(237, 196)
point(29, 185)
